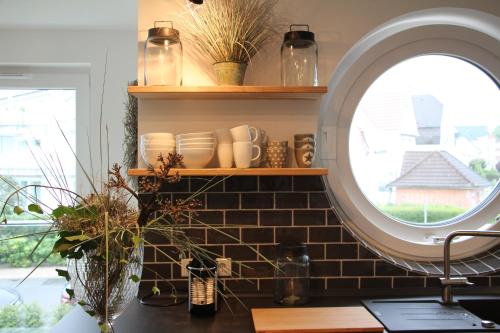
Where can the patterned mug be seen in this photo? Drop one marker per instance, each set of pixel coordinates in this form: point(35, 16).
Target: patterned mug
point(277, 156)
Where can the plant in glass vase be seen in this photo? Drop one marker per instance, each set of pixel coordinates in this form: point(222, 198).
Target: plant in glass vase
point(102, 235)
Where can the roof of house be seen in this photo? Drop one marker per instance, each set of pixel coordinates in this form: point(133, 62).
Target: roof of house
point(436, 169)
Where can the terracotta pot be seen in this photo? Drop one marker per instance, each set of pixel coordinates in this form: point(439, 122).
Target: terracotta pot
point(230, 73)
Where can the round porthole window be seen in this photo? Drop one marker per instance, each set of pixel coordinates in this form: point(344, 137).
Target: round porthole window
point(410, 133)
point(425, 138)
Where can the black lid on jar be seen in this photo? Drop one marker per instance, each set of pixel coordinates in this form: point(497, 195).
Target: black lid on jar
point(159, 34)
point(299, 38)
point(292, 249)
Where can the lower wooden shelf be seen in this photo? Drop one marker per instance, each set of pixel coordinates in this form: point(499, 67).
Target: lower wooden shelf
point(239, 172)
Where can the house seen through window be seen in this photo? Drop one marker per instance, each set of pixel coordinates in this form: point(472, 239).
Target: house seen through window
point(424, 142)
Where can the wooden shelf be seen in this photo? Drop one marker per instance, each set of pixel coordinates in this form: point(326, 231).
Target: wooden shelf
point(227, 92)
point(239, 172)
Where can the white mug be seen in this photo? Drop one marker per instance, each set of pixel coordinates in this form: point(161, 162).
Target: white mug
point(243, 153)
point(224, 135)
point(244, 133)
point(225, 155)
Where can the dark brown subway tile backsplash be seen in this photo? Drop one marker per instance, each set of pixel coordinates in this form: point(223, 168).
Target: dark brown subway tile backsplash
point(264, 211)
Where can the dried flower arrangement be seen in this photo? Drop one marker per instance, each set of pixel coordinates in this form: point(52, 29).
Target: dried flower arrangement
point(102, 236)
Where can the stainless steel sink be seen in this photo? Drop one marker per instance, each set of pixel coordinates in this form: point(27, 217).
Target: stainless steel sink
point(430, 315)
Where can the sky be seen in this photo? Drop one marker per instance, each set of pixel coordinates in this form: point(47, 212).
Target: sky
point(466, 91)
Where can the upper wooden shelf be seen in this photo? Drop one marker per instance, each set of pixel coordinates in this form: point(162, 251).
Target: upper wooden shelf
point(227, 92)
point(239, 172)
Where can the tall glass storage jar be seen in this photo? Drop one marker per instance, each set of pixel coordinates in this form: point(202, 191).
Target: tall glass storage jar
point(291, 274)
point(299, 58)
point(163, 56)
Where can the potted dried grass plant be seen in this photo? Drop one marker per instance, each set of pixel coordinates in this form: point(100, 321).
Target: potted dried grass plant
point(230, 33)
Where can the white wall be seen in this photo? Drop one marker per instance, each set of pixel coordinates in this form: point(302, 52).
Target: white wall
point(74, 14)
point(338, 25)
point(83, 46)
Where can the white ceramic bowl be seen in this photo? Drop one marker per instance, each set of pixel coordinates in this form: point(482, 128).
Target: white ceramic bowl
point(150, 156)
point(195, 135)
point(196, 145)
point(196, 158)
point(154, 141)
point(196, 140)
point(158, 136)
point(157, 146)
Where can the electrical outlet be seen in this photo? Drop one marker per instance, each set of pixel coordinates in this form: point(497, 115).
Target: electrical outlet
point(224, 266)
point(184, 263)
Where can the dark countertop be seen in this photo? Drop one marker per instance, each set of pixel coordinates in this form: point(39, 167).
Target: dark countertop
point(141, 318)
point(176, 319)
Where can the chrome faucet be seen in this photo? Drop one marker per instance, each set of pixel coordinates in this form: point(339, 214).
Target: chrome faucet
point(447, 282)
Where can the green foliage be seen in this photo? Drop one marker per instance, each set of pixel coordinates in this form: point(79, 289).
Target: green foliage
point(10, 316)
point(496, 132)
point(479, 166)
point(72, 244)
point(13, 318)
point(63, 273)
point(16, 252)
point(18, 210)
point(13, 211)
point(71, 293)
point(130, 124)
point(60, 311)
point(155, 290)
point(415, 213)
point(5, 190)
point(34, 208)
point(32, 315)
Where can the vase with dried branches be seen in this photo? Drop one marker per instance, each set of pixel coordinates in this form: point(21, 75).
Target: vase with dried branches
point(230, 33)
point(101, 235)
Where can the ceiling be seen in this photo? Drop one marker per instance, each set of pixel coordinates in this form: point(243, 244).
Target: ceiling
point(77, 14)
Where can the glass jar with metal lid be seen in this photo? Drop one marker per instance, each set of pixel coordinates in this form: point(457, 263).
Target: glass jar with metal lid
point(163, 56)
point(291, 275)
point(299, 58)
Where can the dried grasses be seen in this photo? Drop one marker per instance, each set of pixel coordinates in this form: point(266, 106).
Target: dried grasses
point(230, 30)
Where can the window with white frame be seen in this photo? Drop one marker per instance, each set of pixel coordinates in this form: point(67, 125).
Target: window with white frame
point(410, 132)
point(424, 141)
point(38, 139)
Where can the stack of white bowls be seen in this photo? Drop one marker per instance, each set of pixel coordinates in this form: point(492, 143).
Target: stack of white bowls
point(197, 149)
point(154, 144)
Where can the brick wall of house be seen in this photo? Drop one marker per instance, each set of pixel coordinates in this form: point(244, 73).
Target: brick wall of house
point(465, 198)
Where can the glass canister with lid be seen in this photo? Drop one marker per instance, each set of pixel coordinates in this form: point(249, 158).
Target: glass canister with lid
point(163, 56)
point(291, 275)
point(299, 58)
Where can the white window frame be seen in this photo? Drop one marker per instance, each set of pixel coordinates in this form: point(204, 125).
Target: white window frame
point(468, 34)
point(58, 76)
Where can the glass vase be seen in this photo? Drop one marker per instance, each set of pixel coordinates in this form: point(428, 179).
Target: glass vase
point(88, 281)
